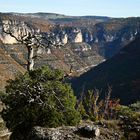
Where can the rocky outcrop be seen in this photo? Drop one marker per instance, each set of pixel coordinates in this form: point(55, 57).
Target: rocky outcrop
point(86, 131)
point(60, 133)
point(17, 28)
point(68, 53)
point(108, 37)
point(7, 39)
point(76, 36)
point(64, 133)
point(20, 29)
point(81, 47)
point(67, 35)
point(64, 39)
point(82, 57)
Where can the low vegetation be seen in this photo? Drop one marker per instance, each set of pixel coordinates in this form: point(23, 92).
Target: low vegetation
point(42, 98)
point(39, 97)
point(93, 108)
point(111, 114)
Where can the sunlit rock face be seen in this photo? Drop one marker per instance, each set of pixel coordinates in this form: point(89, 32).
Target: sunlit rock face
point(17, 28)
point(64, 39)
point(64, 36)
point(7, 39)
point(100, 37)
point(76, 36)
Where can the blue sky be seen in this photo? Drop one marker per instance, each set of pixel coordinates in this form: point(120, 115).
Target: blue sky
point(113, 8)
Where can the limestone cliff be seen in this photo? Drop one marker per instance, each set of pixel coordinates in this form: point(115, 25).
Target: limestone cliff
point(17, 28)
point(68, 50)
point(80, 44)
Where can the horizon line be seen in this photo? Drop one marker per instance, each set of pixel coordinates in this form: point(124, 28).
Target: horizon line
point(92, 15)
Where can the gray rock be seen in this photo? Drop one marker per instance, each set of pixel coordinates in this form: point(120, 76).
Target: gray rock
point(64, 133)
point(89, 131)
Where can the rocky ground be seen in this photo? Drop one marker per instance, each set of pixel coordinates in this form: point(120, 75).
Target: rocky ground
point(84, 131)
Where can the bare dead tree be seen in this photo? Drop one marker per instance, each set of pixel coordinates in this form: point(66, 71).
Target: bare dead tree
point(107, 99)
point(30, 37)
point(95, 106)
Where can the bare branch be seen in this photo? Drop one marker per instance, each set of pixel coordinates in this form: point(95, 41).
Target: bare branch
point(31, 38)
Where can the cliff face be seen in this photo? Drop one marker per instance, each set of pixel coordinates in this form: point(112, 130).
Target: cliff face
point(107, 37)
point(4, 37)
point(84, 42)
point(17, 28)
point(73, 52)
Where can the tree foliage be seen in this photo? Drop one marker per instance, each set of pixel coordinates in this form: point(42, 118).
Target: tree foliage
point(39, 97)
point(130, 116)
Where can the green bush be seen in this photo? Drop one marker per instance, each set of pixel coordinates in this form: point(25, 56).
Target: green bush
point(39, 97)
point(131, 120)
point(129, 113)
point(135, 106)
point(125, 111)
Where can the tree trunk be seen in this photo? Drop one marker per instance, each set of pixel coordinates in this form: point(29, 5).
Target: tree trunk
point(30, 63)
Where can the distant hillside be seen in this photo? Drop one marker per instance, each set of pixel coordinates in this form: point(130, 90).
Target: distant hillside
point(122, 72)
point(84, 41)
point(115, 34)
point(64, 19)
point(106, 35)
point(35, 22)
point(74, 53)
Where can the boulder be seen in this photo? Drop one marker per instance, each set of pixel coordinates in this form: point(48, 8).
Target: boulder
point(64, 133)
point(89, 131)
